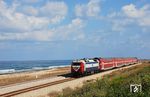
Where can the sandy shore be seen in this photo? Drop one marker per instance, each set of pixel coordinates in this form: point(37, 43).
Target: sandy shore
point(8, 79)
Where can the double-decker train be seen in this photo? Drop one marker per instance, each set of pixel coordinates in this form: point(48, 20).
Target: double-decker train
point(84, 66)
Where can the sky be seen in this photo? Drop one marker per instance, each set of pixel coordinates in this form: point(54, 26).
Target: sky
point(72, 29)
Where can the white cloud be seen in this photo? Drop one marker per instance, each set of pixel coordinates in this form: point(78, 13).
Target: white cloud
point(130, 16)
point(33, 36)
point(71, 31)
point(91, 9)
point(29, 1)
point(137, 40)
point(15, 21)
point(30, 23)
point(118, 21)
point(29, 10)
point(131, 11)
point(56, 11)
point(121, 24)
point(25, 22)
point(141, 15)
point(79, 10)
point(76, 22)
point(17, 17)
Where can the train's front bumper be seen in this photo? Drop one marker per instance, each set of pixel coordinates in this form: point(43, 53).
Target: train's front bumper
point(76, 70)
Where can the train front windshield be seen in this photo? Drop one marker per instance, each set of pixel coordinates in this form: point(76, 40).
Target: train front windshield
point(76, 64)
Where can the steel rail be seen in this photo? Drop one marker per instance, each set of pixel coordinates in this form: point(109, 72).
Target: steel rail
point(16, 92)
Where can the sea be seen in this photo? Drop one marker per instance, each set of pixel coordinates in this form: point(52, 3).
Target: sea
point(7, 67)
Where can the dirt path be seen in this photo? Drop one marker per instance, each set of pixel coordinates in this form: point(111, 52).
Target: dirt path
point(28, 84)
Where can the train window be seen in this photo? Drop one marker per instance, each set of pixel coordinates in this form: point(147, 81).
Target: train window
point(76, 64)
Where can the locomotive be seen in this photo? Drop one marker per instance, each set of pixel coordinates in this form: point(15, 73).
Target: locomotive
point(92, 65)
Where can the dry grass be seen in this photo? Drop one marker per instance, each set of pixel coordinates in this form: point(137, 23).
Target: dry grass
point(127, 71)
point(66, 91)
point(53, 94)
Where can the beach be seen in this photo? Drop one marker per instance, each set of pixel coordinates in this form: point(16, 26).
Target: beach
point(7, 79)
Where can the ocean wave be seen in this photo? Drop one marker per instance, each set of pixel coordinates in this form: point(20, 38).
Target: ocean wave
point(7, 71)
point(39, 68)
point(24, 70)
point(50, 67)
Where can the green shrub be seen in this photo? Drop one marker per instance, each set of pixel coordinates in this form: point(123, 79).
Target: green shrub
point(116, 84)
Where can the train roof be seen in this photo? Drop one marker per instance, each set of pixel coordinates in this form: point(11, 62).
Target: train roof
point(97, 58)
point(85, 60)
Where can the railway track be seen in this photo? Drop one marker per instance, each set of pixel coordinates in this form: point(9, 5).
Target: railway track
point(13, 93)
point(17, 92)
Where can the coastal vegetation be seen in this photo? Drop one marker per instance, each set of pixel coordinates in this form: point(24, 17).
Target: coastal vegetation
point(116, 84)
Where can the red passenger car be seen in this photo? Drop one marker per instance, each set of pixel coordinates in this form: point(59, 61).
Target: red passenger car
point(83, 66)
